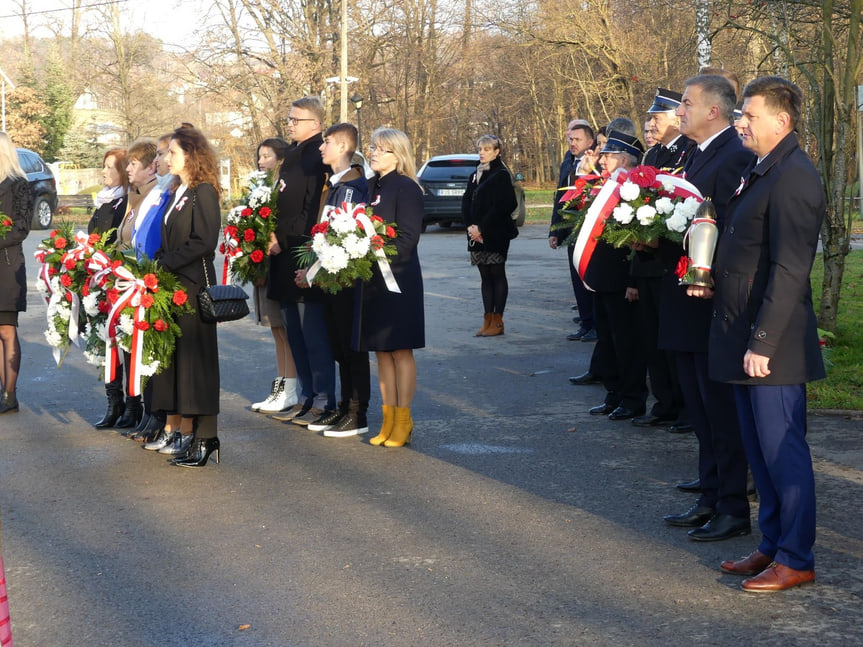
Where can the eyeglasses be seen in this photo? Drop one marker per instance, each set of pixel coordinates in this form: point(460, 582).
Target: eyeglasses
point(295, 120)
point(378, 149)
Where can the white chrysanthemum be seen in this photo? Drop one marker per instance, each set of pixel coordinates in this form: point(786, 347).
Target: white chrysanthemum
point(342, 223)
point(667, 185)
point(334, 259)
point(687, 208)
point(91, 304)
point(259, 196)
point(53, 337)
point(234, 215)
point(149, 369)
point(677, 222)
point(99, 329)
point(56, 286)
point(41, 288)
point(319, 243)
point(126, 324)
point(629, 191)
point(664, 206)
point(64, 311)
point(623, 214)
point(356, 246)
point(95, 359)
point(645, 214)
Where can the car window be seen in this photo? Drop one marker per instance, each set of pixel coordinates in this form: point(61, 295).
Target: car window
point(451, 169)
point(29, 162)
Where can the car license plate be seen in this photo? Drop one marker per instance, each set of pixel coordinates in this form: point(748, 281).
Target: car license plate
point(450, 192)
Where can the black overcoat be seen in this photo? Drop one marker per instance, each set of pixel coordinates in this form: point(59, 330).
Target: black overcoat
point(489, 204)
point(108, 216)
point(684, 321)
point(15, 202)
point(190, 233)
point(301, 180)
point(763, 299)
point(390, 321)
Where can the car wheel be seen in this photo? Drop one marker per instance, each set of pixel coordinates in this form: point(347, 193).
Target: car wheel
point(42, 213)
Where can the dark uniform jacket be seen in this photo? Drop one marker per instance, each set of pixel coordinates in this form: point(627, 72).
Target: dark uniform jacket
point(669, 158)
point(684, 321)
point(763, 299)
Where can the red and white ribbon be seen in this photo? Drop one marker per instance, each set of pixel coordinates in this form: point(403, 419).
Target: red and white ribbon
point(131, 289)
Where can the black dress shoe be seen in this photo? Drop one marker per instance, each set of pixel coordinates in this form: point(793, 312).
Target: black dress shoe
point(576, 336)
point(622, 413)
point(584, 378)
point(576, 320)
point(689, 486)
point(602, 410)
point(680, 427)
point(695, 517)
point(590, 335)
point(650, 420)
point(722, 526)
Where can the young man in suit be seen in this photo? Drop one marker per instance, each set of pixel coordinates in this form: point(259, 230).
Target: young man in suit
point(714, 166)
point(764, 335)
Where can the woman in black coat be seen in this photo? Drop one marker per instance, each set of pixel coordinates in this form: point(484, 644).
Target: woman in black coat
point(111, 205)
point(487, 208)
point(188, 390)
point(393, 323)
point(16, 203)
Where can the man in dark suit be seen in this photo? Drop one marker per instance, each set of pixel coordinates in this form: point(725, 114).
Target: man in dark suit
point(714, 166)
point(581, 138)
point(764, 336)
point(671, 147)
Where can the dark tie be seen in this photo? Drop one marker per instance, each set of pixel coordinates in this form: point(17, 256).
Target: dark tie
point(691, 157)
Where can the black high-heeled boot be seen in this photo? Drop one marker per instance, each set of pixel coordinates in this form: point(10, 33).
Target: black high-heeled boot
point(114, 391)
point(148, 433)
point(132, 413)
point(200, 451)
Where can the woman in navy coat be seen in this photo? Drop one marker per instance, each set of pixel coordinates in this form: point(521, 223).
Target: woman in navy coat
point(393, 323)
point(188, 390)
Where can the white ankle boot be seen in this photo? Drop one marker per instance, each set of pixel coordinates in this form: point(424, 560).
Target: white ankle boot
point(285, 397)
point(277, 384)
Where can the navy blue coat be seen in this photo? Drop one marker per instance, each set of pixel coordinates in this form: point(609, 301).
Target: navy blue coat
point(763, 299)
point(684, 321)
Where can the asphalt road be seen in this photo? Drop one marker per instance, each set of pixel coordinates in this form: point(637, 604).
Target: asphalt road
point(497, 527)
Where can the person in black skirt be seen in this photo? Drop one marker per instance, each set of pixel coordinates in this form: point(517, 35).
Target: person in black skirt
point(16, 203)
point(487, 208)
point(393, 323)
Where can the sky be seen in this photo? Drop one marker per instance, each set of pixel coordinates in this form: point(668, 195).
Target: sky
point(170, 20)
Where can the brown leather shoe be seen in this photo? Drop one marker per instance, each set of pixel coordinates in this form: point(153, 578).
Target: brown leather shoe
point(752, 564)
point(777, 577)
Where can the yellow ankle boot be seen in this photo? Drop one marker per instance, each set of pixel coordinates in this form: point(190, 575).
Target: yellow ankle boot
point(486, 322)
point(496, 327)
point(386, 426)
point(402, 428)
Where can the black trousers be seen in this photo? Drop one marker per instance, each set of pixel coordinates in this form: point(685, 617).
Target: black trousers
point(620, 360)
point(354, 371)
point(583, 296)
point(712, 409)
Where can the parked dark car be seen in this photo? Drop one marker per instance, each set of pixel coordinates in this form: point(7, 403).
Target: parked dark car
point(444, 180)
point(43, 185)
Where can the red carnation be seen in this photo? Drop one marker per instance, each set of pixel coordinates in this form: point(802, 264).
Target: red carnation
point(116, 264)
point(683, 266)
point(245, 213)
point(60, 242)
point(142, 325)
point(160, 325)
point(52, 271)
point(643, 176)
point(66, 280)
point(179, 298)
point(104, 307)
point(320, 228)
point(53, 233)
point(264, 212)
point(377, 242)
point(70, 263)
point(151, 281)
point(94, 238)
point(230, 231)
point(113, 294)
point(249, 235)
point(391, 233)
point(376, 219)
point(147, 300)
point(257, 256)
point(69, 297)
point(85, 290)
point(6, 222)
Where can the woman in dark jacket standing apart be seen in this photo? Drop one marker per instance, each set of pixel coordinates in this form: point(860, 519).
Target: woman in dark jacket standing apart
point(393, 323)
point(16, 203)
point(487, 208)
point(188, 390)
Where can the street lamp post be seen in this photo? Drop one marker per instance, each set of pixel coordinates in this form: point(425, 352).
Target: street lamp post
point(357, 100)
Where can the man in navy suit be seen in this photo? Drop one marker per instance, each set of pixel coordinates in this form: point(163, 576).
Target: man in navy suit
point(764, 336)
point(714, 166)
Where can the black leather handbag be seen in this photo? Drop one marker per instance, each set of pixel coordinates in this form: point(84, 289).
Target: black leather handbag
point(220, 303)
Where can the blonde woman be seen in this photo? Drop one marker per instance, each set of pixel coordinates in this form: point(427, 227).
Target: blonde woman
point(393, 323)
point(16, 202)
